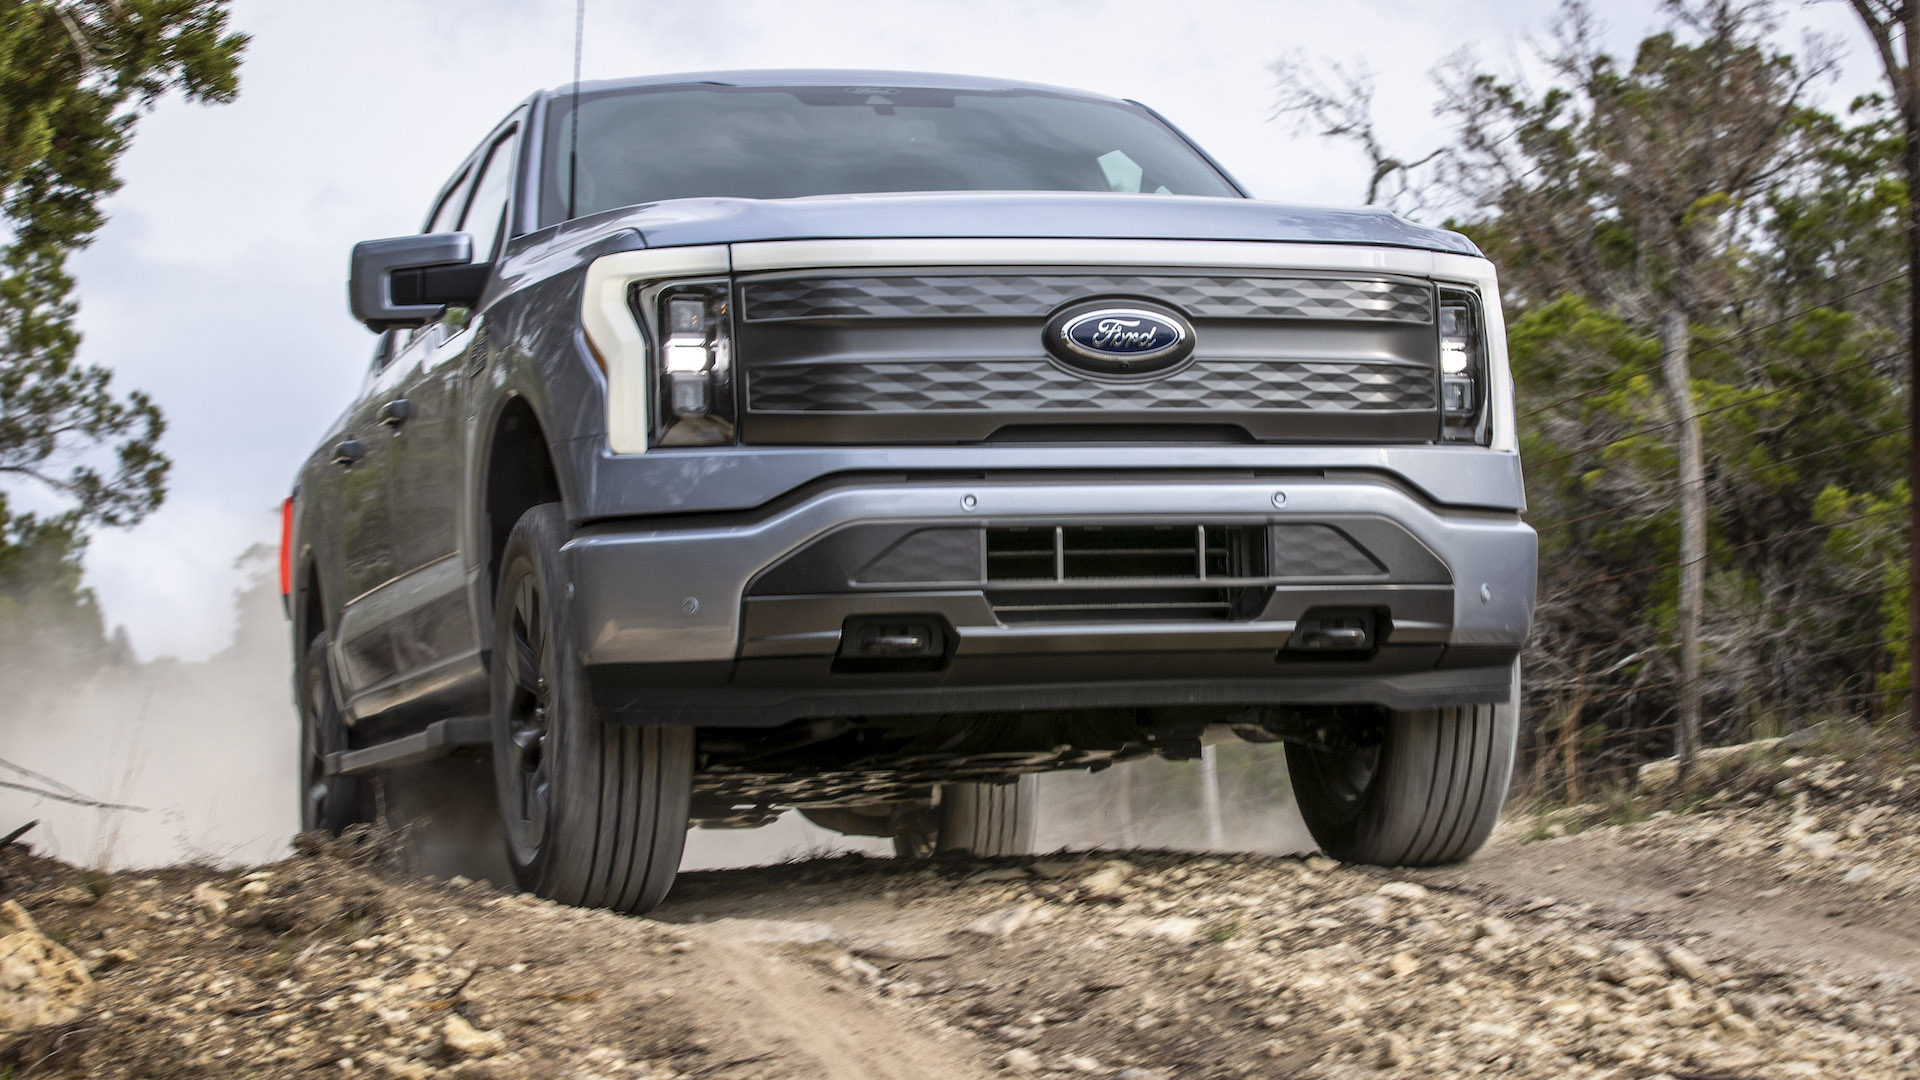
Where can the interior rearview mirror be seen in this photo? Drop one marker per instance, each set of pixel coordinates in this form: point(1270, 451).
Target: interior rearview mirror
point(406, 280)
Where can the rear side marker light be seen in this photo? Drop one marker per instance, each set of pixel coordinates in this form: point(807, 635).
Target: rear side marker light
point(286, 547)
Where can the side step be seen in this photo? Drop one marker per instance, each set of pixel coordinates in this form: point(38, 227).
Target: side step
point(440, 738)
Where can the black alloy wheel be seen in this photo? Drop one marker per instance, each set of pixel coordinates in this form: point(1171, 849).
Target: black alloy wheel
point(1339, 775)
point(522, 652)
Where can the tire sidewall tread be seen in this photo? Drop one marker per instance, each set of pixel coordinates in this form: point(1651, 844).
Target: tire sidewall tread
point(1438, 783)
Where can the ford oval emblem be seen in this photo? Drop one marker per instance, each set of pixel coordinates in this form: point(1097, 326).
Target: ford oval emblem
point(1123, 339)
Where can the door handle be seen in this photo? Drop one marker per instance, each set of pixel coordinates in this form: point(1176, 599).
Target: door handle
point(347, 452)
point(396, 412)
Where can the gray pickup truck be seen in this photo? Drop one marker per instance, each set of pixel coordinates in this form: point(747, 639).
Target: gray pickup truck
point(865, 442)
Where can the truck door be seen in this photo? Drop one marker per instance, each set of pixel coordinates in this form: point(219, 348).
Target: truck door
point(361, 465)
point(428, 421)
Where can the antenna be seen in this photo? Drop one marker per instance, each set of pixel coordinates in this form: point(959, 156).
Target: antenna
point(573, 113)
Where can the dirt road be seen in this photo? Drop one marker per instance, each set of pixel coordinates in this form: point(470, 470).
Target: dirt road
point(1739, 942)
point(1780, 910)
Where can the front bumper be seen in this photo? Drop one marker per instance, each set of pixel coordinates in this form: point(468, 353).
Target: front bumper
point(674, 627)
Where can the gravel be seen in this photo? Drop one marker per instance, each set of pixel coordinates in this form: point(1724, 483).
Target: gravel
point(339, 961)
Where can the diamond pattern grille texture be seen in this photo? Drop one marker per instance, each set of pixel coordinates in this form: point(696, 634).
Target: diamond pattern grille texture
point(1008, 296)
point(997, 385)
point(1319, 551)
point(928, 555)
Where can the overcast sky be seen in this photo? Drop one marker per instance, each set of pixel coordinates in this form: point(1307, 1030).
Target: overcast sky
point(218, 284)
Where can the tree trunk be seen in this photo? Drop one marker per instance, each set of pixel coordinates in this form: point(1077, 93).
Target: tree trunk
point(1693, 533)
point(1907, 91)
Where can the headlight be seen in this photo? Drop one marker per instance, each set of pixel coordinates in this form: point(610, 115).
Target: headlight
point(695, 366)
point(1463, 367)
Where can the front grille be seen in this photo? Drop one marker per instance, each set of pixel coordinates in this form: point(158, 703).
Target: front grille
point(875, 357)
point(1013, 296)
point(1125, 573)
point(1037, 386)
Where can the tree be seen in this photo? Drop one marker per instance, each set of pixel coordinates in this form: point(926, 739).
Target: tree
point(1684, 243)
point(1893, 25)
point(75, 78)
point(1637, 185)
point(46, 615)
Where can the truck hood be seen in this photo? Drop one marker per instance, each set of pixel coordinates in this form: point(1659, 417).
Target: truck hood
point(1065, 215)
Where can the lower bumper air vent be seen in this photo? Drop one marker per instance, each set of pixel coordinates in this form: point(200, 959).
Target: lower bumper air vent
point(1127, 573)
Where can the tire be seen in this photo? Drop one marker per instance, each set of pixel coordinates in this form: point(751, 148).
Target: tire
point(1428, 794)
point(595, 814)
point(326, 802)
point(987, 819)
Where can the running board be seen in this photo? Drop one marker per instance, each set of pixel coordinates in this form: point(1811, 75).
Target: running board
point(440, 738)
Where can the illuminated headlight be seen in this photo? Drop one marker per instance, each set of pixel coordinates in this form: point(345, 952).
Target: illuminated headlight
point(1463, 367)
point(695, 366)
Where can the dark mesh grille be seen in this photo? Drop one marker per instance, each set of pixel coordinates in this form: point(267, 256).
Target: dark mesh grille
point(1009, 296)
point(1123, 573)
point(1014, 385)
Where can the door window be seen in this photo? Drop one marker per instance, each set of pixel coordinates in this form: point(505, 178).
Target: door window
point(448, 212)
point(488, 210)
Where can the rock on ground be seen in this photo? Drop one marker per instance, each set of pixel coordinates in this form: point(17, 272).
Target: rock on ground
point(41, 981)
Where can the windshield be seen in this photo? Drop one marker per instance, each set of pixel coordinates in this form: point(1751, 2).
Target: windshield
point(647, 144)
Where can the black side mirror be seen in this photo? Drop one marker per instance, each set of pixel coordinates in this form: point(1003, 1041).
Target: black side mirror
point(407, 280)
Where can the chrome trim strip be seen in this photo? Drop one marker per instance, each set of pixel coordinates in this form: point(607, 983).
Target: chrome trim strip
point(1023, 251)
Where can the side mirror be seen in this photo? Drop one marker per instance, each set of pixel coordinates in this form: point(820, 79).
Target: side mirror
point(407, 280)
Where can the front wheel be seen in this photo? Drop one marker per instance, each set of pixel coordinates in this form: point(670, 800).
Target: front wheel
point(595, 814)
point(1427, 793)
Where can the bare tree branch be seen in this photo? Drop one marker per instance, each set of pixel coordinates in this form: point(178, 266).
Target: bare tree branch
point(1880, 20)
point(22, 770)
point(76, 801)
point(1339, 105)
point(57, 790)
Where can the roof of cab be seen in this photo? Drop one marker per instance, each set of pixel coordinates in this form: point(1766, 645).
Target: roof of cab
point(825, 77)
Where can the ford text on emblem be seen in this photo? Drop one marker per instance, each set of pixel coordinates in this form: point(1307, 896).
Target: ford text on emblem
point(1119, 339)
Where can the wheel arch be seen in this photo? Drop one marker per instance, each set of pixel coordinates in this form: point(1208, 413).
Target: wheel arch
point(310, 617)
point(309, 602)
point(516, 471)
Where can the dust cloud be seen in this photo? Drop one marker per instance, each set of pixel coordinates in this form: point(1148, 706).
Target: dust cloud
point(206, 749)
point(1235, 798)
point(1149, 804)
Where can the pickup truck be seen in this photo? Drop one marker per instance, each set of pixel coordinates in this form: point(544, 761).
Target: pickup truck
point(868, 442)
